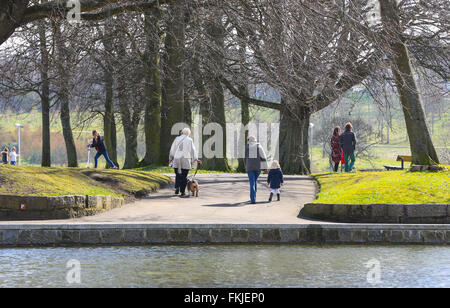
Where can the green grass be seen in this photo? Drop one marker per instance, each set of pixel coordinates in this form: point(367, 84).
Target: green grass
point(36, 181)
point(389, 187)
point(384, 157)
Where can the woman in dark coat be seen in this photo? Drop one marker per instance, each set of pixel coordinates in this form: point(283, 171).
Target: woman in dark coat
point(336, 149)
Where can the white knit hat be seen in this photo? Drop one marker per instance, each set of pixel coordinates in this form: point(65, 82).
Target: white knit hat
point(275, 165)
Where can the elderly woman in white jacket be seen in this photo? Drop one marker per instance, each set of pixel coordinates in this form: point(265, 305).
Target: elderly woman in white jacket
point(182, 154)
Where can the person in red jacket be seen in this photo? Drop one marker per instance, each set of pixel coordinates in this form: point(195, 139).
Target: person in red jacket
point(336, 150)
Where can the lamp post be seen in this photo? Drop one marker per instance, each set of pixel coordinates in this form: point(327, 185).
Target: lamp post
point(311, 127)
point(19, 126)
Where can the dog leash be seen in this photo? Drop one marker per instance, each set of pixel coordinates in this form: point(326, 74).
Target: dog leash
point(196, 171)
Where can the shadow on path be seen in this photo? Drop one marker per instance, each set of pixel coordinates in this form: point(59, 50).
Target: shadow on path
point(239, 204)
point(162, 197)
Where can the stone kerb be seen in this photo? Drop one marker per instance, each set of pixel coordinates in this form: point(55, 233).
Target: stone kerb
point(54, 207)
point(173, 234)
point(379, 213)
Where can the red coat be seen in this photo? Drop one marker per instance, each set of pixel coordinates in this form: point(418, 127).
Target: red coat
point(336, 151)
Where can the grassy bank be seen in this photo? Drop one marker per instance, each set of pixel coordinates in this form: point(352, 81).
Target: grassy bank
point(384, 187)
point(35, 181)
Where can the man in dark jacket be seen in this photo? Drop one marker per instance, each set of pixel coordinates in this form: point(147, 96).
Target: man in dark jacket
point(348, 143)
point(99, 144)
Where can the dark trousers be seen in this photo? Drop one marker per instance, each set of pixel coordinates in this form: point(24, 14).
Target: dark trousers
point(336, 167)
point(181, 180)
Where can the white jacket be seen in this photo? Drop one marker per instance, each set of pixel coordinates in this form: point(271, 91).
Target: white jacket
point(182, 153)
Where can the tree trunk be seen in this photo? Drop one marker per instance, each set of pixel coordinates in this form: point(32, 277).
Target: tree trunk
point(432, 123)
point(131, 157)
point(63, 94)
point(245, 118)
point(388, 131)
point(245, 112)
point(202, 98)
point(129, 110)
point(152, 62)
point(108, 119)
point(187, 118)
point(152, 125)
point(45, 96)
point(130, 127)
point(294, 139)
point(173, 103)
point(381, 128)
point(216, 33)
point(114, 141)
point(72, 160)
point(422, 148)
point(217, 115)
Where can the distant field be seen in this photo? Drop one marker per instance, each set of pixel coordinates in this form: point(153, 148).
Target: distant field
point(383, 154)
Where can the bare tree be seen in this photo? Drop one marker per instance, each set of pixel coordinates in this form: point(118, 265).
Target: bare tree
point(27, 69)
point(17, 13)
point(305, 52)
point(422, 147)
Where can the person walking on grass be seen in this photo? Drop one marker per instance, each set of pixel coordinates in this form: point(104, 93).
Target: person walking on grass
point(5, 154)
point(348, 143)
point(254, 156)
point(99, 144)
point(13, 157)
point(336, 150)
point(275, 180)
point(182, 154)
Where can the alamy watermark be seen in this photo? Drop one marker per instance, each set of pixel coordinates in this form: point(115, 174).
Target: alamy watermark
point(374, 274)
point(74, 13)
point(73, 275)
point(209, 139)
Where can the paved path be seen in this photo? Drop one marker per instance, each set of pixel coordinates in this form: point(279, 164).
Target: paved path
point(223, 199)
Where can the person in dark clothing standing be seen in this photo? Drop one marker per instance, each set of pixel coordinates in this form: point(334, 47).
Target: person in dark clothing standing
point(336, 151)
point(275, 180)
point(5, 156)
point(99, 144)
point(348, 144)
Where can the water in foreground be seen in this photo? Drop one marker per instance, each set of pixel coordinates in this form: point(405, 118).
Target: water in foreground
point(228, 266)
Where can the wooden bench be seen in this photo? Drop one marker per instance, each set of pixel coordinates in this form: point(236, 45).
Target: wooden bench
point(401, 158)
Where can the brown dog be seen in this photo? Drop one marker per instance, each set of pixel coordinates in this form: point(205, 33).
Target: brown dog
point(193, 187)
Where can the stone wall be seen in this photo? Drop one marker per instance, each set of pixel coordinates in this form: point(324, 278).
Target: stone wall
point(62, 207)
point(379, 213)
point(176, 234)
